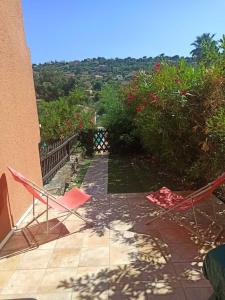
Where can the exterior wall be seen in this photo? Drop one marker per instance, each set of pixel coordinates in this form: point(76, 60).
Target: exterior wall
point(19, 128)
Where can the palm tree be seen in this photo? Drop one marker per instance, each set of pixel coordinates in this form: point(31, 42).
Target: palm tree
point(205, 49)
point(222, 43)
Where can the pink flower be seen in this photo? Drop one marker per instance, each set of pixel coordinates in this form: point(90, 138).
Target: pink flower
point(131, 97)
point(81, 124)
point(153, 97)
point(178, 81)
point(139, 108)
point(68, 123)
point(157, 67)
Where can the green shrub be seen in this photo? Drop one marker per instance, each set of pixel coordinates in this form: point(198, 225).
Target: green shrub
point(179, 114)
point(60, 119)
point(116, 117)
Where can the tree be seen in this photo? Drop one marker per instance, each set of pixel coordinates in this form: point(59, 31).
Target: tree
point(222, 43)
point(206, 49)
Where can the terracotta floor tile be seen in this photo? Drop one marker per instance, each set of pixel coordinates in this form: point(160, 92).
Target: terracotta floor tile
point(126, 273)
point(61, 257)
point(34, 296)
point(184, 252)
point(10, 263)
point(152, 250)
point(92, 240)
point(54, 225)
point(35, 259)
point(46, 241)
point(154, 273)
point(92, 293)
point(175, 235)
point(74, 240)
point(91, 283)
point(53, 296)
point(5, 277)
point(15, 243)
point(121, 225)
point(123, 290)
point(93, 273)
point(191, 274)
point(201, 293)
point(18, 296)
point(57, 280)
point(120, 257)
point(24, 281)
point(123, 254)
point(168, 294)
point(74, 225)
point(121, 238)
point(94, 257)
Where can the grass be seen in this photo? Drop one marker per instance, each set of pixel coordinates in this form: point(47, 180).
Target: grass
point(84, 165)
point(137, 175)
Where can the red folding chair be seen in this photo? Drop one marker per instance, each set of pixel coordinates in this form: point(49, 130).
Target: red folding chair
point(67, 203)
point(169, 201)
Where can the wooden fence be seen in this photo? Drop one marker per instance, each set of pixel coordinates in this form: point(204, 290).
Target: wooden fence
point(54, 156)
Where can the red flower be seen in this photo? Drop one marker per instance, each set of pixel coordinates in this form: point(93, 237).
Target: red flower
point(145, 103)
point(153, 97)
point(77, 116)
point(68, 123)
point(81, 124)
point(130, 97)
point(178, 81)
point(139, 108)
point(157, 67)
point(183, 93)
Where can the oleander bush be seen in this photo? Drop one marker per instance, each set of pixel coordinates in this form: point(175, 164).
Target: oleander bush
point(60, 119)
point(178, 112)
point(118, 119)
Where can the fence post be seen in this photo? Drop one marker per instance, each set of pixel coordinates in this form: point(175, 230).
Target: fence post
point(54, 156)
point(68, 150)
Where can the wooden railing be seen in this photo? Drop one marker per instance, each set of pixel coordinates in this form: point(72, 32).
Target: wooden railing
point(54, 156)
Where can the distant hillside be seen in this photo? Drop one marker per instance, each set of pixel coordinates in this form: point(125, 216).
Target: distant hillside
point(57, 78)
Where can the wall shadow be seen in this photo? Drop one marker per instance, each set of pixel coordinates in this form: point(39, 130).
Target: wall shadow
point(5, 214)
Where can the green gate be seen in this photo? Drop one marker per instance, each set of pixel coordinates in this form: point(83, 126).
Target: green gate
point(101, 140)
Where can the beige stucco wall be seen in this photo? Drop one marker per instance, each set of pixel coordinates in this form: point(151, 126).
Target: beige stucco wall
point(19, 128)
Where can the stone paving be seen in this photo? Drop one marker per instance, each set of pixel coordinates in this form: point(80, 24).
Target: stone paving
point(119, 258)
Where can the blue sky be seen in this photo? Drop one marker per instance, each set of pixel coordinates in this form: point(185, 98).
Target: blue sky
point(78, 29)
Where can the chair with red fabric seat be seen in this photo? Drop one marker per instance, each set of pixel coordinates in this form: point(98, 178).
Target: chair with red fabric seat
point(170, 201)
point(67, 203)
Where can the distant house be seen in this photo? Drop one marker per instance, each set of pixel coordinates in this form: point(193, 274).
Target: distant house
point(119, 77)
point(19, 126)
point(70, 74)
point(89, 92)
point(98, 76)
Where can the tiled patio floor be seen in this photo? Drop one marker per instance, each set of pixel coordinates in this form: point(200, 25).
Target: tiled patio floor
point(119, 258)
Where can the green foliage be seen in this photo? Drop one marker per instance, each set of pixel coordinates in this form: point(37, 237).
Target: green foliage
point(179, 114)
point(206, 49)
point(50, 84)
point(57, 79)
point(83, 167)
point(116, 118)
point(77, 96)
point(59, 119)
